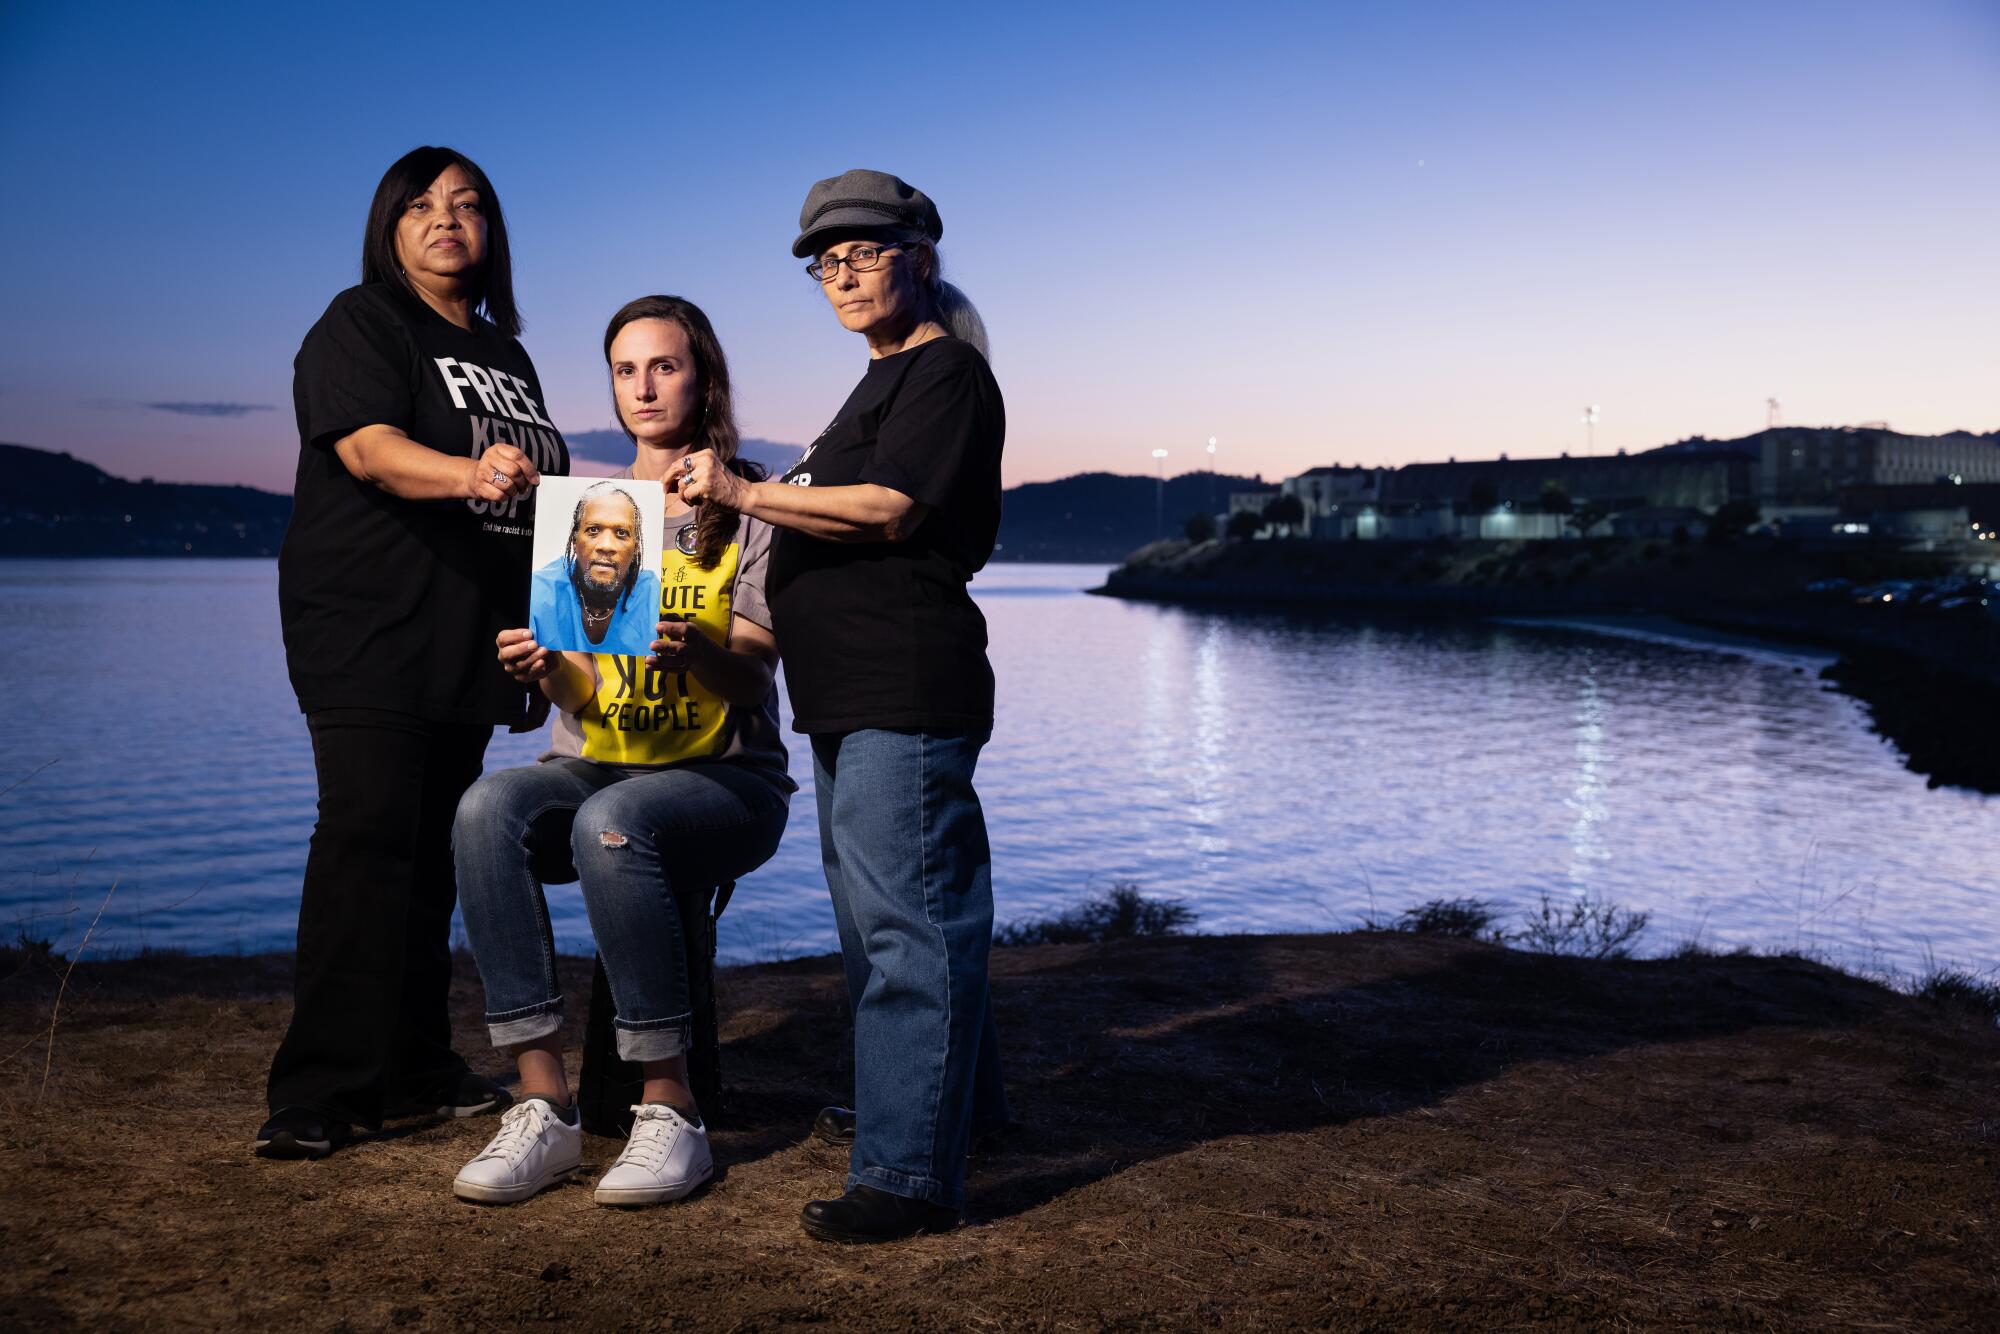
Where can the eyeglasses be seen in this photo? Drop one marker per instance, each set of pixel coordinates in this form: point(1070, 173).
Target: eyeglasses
point(858, 260)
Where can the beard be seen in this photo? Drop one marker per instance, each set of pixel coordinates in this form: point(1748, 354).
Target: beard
point(595, 596)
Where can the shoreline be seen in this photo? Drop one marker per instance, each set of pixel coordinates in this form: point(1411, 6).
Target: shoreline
point(1654, 628)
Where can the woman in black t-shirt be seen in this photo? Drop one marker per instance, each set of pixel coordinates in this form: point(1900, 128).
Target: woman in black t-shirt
point(421, 432)
point(880, 526)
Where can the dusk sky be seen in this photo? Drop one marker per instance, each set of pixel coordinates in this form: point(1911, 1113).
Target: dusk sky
point(1332, 232)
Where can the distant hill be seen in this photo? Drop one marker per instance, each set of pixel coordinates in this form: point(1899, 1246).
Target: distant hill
point(1101, 516)
point(55, 505)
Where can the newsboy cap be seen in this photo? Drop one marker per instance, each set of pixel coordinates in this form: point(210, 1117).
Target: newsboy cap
point(860, 200)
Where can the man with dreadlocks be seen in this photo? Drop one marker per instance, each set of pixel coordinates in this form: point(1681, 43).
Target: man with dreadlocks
point(601, 594)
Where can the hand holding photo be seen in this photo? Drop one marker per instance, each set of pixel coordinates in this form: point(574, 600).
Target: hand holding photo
point(596, 583)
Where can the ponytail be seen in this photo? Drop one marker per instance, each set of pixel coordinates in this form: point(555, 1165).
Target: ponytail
point(949, 306)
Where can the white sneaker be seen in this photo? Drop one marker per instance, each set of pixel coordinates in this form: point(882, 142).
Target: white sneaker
point(664, 1160)
point(533, 1150)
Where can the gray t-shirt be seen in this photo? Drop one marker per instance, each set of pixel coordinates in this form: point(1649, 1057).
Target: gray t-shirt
point(642, 720)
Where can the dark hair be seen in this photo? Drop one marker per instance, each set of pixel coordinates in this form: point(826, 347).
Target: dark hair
point(715, 427)
point(589, 494)
point(410, 176)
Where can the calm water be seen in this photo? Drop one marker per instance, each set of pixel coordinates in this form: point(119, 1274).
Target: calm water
point(1276, 774)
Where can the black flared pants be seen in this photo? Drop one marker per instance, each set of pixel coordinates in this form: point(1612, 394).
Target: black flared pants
point(369, 1019)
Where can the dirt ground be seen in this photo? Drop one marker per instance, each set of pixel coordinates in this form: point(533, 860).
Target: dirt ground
point(1350, 1131)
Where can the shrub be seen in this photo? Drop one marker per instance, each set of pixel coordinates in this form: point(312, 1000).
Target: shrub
point(1731, 520)
point(1462, 919)
point(27, 952)
point(1288, 511)
point(1586, 927)
point(1119, 913)
point(1198, 527)
point(1242, 526)
point(1960, 990)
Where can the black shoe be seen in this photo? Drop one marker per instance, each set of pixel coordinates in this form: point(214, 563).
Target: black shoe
point(296, 1132)
point(835, 1126)
point(866, 1214)
point(464, 1094)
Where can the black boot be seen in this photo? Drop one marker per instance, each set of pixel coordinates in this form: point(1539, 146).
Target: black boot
point(835, 1126)
point(866, 1214)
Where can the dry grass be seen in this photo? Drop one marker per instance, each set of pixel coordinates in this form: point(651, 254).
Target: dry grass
point(1375, 1129)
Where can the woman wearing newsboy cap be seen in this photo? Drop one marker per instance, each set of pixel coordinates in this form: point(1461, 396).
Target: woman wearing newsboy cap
point(881, 524)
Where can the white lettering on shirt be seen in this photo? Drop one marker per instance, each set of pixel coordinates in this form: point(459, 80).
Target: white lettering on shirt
point(503, 383)
point(452, 383)
point(534, 408)
point(498, 392)
point(482, 384)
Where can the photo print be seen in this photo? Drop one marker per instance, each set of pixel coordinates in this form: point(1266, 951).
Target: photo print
point(596, 581)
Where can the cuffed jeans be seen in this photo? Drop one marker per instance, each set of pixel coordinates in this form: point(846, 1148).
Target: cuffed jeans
point(632, 841)
point(373, 973)
point(904, 845)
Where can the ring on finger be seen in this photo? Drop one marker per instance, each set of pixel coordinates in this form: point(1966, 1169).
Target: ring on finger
point(499, 478)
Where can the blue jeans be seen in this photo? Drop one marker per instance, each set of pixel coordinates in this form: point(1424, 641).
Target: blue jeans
point(904, 845)
point(632, 841)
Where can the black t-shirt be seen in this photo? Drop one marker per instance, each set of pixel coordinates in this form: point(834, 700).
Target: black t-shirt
point(394, 604)
point(884, 634)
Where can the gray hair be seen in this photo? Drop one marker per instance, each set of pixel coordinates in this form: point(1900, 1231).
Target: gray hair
point(950, 307)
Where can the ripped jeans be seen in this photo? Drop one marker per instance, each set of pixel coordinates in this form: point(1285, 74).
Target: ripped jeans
point(631, 838)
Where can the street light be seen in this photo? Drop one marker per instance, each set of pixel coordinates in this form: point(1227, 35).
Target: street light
point(1160, 494)
point(1590, 429)
point(1211, 475)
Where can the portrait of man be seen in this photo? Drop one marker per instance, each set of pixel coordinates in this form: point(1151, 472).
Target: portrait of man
point(600, 592)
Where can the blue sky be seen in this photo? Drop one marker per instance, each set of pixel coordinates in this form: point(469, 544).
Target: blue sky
point(1364, 233)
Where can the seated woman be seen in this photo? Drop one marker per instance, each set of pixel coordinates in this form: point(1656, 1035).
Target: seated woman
point(665, 773)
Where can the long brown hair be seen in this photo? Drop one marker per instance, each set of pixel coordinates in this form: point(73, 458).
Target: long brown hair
point(715, 429)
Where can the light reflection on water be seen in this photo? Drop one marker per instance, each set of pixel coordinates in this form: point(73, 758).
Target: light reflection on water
point(1275, 772)
point(1587, 801)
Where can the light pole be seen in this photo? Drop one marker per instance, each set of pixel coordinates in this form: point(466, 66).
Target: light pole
point(1211, 477)
point(1771, 406)
point(1160, 494)
point(1590, 429)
